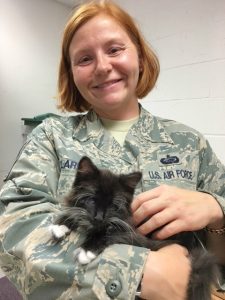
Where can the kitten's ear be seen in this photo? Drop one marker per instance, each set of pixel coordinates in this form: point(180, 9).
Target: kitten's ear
point(131, 180)
point(86, 166)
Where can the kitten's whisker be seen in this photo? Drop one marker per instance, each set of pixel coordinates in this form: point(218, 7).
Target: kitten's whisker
point(75, 217)
point(123, 225)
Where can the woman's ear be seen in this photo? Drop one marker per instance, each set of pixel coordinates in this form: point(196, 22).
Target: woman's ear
point(140, 63)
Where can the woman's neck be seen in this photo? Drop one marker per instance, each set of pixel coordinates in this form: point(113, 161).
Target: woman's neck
point(120, 114)
point(118, 128)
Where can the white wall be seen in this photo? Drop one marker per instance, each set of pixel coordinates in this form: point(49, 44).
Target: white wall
point(30, 36)
point(188, 36)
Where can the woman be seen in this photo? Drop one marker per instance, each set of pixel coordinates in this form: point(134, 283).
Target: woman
point(106, 66)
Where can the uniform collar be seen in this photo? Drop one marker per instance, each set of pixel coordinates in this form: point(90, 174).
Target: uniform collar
point(89, 127)
point(91, 130)
point(148, 129)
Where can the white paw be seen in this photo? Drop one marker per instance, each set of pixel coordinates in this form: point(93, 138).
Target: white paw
point(59, 231)
point(84, 257)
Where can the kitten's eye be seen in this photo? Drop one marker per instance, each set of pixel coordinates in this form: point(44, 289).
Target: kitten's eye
point(90, 206)
point(90, 203)
point(115, 207)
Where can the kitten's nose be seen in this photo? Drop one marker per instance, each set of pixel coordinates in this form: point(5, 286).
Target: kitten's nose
point(99, 216)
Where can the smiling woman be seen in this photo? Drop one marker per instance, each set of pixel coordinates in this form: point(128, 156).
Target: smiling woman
point(106, 67)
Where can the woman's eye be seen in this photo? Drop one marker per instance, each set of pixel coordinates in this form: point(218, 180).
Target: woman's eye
point(84, 60)
point(115, 50)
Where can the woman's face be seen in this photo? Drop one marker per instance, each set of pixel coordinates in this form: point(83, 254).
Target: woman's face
point(105, 67)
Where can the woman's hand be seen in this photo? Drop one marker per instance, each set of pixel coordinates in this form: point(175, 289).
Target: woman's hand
point(168, 210)
point(166, 274)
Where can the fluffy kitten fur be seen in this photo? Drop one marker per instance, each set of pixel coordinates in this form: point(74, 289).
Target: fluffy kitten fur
point(98, 207)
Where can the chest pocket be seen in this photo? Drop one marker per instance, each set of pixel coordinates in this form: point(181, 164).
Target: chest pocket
point(174, 168)
point(67, 175)
point(65, 182)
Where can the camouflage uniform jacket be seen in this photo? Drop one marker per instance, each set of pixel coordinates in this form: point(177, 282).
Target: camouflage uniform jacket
point(164, 150)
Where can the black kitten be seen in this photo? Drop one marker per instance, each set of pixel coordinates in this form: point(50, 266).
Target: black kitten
point(98, 207)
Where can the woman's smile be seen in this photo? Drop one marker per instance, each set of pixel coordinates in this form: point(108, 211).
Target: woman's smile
point(109, 84)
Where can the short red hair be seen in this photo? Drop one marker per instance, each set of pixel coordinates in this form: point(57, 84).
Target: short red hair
point(69, 97)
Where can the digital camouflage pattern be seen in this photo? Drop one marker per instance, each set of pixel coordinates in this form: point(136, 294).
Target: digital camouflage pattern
point(164, 150)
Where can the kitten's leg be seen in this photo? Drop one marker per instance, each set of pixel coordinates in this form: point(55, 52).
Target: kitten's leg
point(59, 231)
point(84, 257)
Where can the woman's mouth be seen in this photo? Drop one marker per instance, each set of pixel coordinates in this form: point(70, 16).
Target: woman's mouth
point(107, 84)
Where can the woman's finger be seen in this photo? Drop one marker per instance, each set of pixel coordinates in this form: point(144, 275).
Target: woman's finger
point(143, 197)
point(147, 210)
point(157, 221)
point(169, 230)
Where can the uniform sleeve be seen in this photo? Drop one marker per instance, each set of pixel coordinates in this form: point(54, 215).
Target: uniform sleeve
point(39, 267)
point(211, 177)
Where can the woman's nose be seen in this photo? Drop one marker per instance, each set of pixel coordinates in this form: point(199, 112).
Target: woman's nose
point(103, 64)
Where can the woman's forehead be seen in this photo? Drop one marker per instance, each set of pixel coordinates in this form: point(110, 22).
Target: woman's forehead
point(101, 23)
point(99, 29)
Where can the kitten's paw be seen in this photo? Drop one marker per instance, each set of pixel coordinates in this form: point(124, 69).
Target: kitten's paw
point(59, 231)
point(84, 257)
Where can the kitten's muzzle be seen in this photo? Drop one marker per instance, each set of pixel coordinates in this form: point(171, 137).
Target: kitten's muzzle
point(99, 216)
